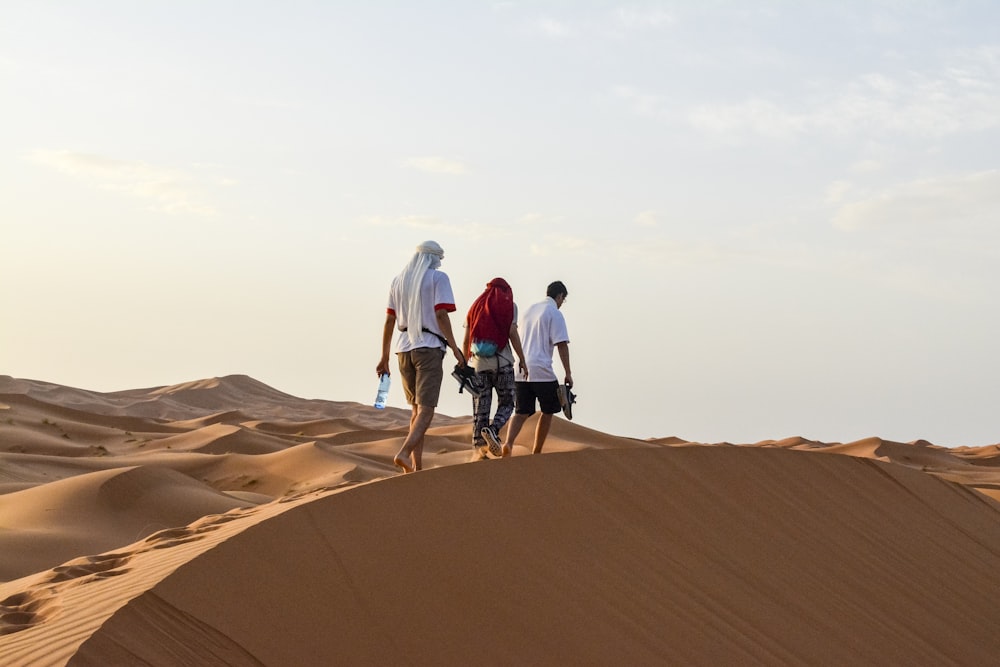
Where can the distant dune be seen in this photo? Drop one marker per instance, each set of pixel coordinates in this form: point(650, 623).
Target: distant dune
point(222, 521)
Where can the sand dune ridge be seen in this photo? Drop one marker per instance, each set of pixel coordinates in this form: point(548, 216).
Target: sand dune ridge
point(222, 521)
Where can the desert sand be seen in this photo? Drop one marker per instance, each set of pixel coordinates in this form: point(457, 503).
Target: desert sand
point(223, 522)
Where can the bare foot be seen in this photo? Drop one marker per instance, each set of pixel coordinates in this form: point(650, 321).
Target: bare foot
point(506, 451)
point(403, 461)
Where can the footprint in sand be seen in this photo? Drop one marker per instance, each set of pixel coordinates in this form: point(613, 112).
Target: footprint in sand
point(100, 567)
point(175, 536)
point(214, 521)
point(25, 610)
point(171, 537)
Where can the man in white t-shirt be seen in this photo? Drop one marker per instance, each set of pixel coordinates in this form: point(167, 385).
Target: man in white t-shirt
point(420, 299)
point(543, 329)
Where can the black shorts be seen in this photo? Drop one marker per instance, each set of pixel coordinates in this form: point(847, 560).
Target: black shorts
point(547, 394)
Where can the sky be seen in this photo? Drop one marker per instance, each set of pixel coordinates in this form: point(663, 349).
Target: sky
point(773, 218)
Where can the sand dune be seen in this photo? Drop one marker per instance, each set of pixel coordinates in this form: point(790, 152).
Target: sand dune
point(222, 521)
point(94, 512)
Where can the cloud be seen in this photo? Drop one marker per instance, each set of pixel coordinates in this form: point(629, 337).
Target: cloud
point(169, 190)
point(837, 191)
point(262, 102)
point(643, 19)
point(657, 250)
point(866, 166)
point(539, 219)
point(755, 116)
point(437, 165)
point(416, 221)
point(438, 226)
point(552, 28)
point(879, 269)
point(613, 24)
point(962, 96)
point(647, 219)
point(572, 242)
point(562, 244)
point(642, 103)
point(969, 198)
point(669, 252)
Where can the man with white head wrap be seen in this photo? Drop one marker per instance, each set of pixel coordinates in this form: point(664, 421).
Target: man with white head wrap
point(420, 299)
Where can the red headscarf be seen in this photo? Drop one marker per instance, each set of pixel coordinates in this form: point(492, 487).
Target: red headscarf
point(492, 313)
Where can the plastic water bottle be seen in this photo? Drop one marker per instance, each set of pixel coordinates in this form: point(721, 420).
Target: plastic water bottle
point(383, 391)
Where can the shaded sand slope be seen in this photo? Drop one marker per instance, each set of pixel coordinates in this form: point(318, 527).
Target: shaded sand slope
point(689, 555)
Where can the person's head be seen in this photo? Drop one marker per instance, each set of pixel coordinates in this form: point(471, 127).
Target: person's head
point(499, 283)
point(557, 292)
point(429, 253)
point(427, 257)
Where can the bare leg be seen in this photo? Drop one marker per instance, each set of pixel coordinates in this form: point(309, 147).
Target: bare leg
point(410, 455)
point(403, 459)
point(541, 432)
point(513, 428)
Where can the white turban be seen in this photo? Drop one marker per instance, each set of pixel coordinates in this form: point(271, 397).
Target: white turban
point(431, 248)
point(428, 256)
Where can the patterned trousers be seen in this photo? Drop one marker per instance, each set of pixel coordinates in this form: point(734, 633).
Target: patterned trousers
point(503, 382)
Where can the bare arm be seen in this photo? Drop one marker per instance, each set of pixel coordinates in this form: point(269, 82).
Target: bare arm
point(564, 358)
point(515, 342)
point(444, 323)
point(387, 330)
point(467, 341)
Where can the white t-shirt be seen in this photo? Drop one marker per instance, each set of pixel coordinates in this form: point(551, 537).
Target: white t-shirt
point(542, 328)
point(435, 294)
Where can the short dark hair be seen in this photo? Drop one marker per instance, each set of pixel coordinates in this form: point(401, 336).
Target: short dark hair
point(556, 289)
